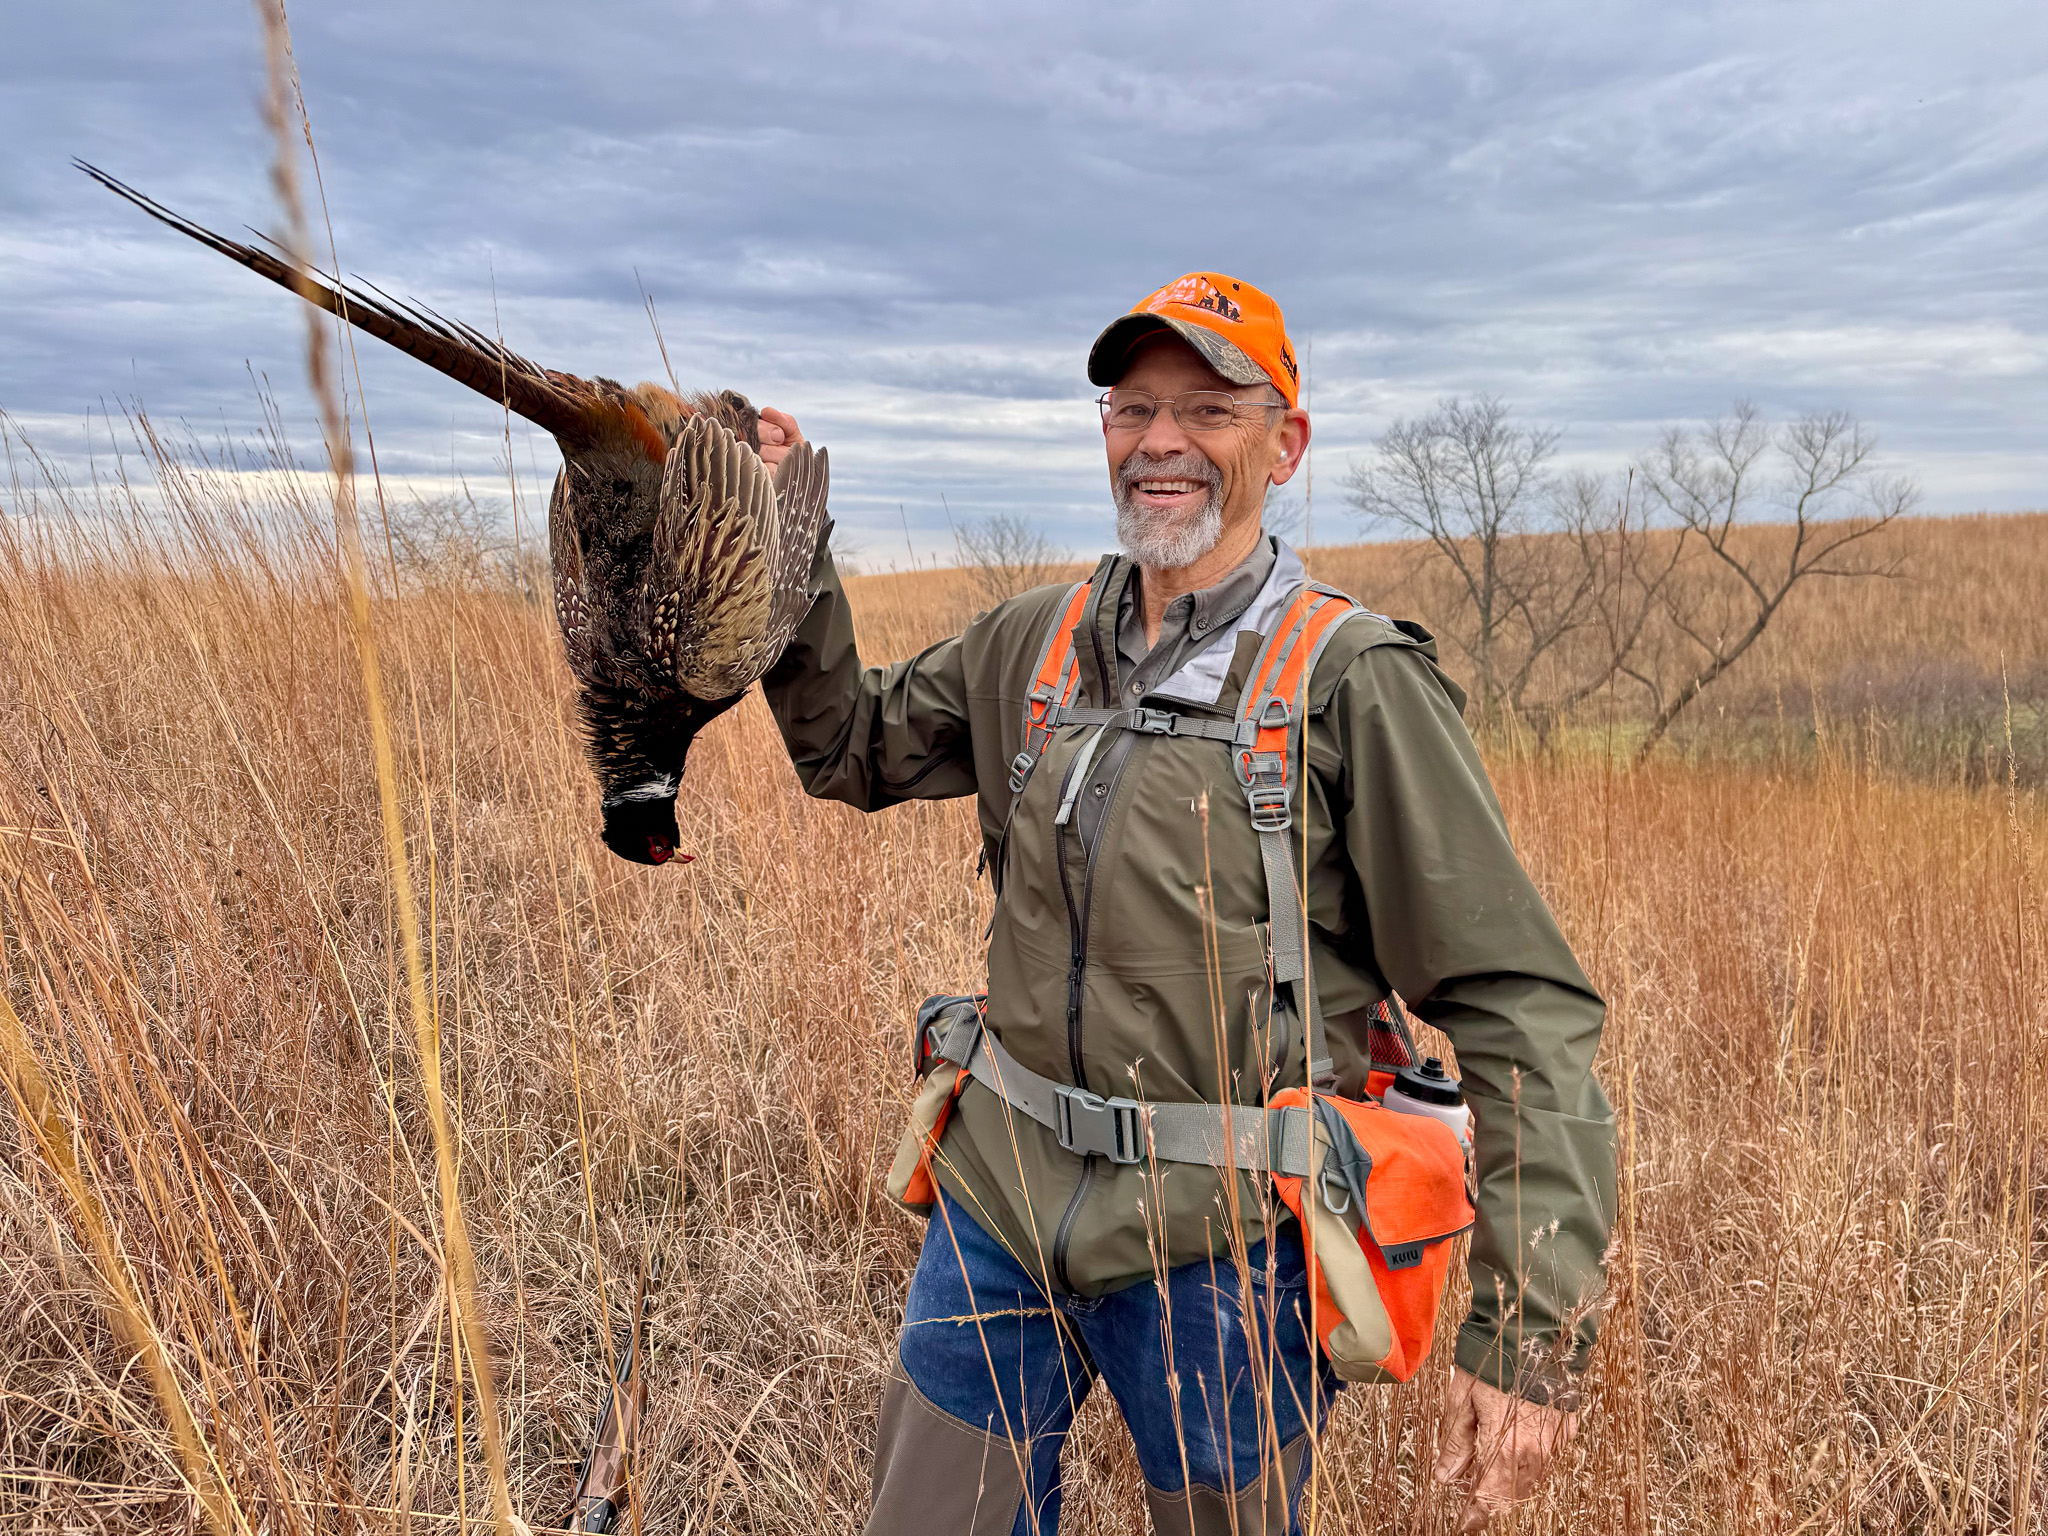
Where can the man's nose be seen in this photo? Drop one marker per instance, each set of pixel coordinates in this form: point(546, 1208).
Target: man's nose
point(1165, 436)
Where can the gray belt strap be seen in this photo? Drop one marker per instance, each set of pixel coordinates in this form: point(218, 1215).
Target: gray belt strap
point(1130, 1130)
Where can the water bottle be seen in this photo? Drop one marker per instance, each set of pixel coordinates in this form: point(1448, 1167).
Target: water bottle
point(1430, 1090)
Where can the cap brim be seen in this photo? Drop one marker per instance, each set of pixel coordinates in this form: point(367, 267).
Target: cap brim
point(1111, 354)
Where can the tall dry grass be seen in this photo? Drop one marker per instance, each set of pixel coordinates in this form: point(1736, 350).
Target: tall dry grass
point(1827, 1013)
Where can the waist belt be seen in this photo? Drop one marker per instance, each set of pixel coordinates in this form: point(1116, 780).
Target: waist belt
point(1243, 1136)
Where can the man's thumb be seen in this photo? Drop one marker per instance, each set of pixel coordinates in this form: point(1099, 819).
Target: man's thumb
point(1457, 1435)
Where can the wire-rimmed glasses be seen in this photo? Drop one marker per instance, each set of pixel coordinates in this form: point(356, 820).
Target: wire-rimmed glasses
point(1198, 410)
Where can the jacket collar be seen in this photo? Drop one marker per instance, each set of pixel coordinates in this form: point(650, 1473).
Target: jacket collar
point(1249, 598)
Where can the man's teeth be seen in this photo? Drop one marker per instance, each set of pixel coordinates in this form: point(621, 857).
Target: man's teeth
point(1168, 487)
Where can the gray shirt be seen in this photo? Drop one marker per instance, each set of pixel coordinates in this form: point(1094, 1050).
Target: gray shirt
point(1191, 622)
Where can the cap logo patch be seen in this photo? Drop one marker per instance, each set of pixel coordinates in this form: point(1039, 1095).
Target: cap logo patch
point(1196, 293)
point(1287, 360)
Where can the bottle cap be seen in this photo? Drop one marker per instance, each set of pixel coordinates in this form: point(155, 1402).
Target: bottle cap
point(1429, 1083)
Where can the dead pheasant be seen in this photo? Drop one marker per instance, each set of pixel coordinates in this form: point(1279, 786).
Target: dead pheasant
point(681, 563)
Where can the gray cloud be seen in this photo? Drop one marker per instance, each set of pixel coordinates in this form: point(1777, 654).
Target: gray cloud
point(905, 222)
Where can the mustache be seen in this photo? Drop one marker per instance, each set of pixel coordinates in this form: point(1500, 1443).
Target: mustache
point(1174, 466)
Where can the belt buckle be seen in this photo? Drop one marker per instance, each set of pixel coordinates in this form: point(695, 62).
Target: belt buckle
point(1154, 722)
point(1090, 1125)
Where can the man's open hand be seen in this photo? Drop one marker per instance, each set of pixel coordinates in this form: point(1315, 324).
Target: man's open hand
point(1501, 1443)
point(779, 434)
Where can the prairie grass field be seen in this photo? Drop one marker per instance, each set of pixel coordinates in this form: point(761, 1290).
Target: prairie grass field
point(1818, 921)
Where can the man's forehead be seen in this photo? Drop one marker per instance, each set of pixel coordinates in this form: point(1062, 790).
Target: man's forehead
point(1164, 352)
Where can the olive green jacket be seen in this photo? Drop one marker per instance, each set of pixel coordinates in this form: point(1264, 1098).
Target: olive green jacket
point(1111, 959)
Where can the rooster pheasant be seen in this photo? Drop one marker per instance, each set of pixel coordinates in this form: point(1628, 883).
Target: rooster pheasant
point(681, 563)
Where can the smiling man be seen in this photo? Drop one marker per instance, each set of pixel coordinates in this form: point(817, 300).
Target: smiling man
point(1145, 973)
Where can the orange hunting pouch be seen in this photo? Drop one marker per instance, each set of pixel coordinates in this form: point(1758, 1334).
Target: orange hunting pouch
point(910, 1183)
point(1387, 1195)
point(1378, 1194)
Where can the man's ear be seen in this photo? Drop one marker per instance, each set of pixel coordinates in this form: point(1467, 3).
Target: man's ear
point(1291, 437)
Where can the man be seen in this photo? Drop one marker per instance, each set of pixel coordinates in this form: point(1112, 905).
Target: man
point(1129, 956)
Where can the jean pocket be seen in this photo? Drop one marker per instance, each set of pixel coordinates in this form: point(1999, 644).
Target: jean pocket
point(1289, 1265)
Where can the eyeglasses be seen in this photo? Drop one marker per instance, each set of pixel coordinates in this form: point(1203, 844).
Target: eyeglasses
point(1199, 410)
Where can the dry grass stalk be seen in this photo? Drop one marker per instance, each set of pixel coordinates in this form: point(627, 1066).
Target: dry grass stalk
point(45, 1119)
point(285, 112)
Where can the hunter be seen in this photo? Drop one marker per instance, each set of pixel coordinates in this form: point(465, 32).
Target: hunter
point(1131, 958)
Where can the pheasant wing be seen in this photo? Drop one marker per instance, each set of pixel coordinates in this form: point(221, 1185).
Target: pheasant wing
point(574, 610)
point(707, 599)
point(802, 481)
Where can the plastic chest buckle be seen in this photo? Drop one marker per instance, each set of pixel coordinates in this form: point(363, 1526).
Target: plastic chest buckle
point(1263, 776)
point(1092, 1125)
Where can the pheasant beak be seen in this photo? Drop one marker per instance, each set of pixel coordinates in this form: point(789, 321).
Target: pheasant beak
point(642, 831)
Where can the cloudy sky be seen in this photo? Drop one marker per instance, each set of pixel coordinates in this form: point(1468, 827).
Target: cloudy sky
point(905, 222)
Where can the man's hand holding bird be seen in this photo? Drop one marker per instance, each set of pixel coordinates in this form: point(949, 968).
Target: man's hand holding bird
point(779, 435)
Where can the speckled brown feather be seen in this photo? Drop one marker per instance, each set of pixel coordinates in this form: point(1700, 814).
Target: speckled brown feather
point(803, 485)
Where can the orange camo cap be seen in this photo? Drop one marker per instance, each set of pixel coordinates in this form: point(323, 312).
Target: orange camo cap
point(1238, 330)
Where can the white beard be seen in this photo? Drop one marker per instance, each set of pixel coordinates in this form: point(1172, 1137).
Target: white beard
point(1162, 541)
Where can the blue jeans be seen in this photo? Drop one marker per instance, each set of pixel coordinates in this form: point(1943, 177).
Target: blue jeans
point(999, 1367)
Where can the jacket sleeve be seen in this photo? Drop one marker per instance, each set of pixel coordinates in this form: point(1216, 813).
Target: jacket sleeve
point(870, 736)
point(1457, 928)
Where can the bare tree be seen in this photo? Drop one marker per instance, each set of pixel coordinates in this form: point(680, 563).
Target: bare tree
point(448, 538)
point(1622, 567)
point(1539, 576)
point(1816, 475)
point(1006, 553)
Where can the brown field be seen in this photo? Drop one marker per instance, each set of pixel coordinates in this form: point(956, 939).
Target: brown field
point(1828, 1004)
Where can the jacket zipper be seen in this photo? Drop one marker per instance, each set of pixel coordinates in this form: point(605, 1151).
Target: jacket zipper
point(1067, 1219)
point(1077, 966)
